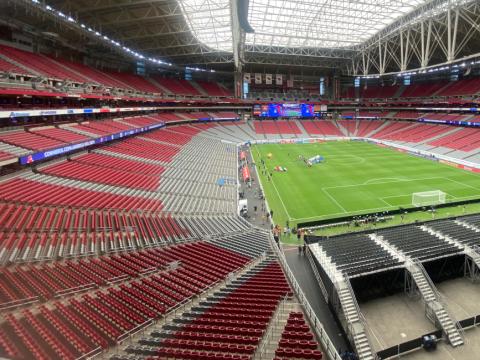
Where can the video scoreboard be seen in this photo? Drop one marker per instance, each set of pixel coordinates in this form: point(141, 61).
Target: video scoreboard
point(275, 110)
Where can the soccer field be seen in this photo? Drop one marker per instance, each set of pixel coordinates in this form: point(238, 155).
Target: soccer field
point(356, 178)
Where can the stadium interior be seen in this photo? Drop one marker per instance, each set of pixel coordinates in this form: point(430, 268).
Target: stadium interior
point(240, 179)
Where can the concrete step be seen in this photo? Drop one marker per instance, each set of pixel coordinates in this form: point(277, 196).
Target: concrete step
point(163, 89)
point(362, 347)
point(199, 88)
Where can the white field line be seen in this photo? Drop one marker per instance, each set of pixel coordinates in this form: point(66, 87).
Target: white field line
point(373, 181)
point(368, 182)
point(383, 182)
point(404, 195)
point(395, 196)
point(360, 212)
point(275, 187)
point(460, 183)
point(281, 200)
point(334, 200)
point(385, 202)
point(389, 206)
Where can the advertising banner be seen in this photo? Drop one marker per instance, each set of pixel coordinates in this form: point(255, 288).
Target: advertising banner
point(279, 79)
point(246, 173)
point(53, 112)
point(28, 159)
point(268, 79)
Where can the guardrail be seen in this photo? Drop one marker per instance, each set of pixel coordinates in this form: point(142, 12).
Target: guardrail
point(133, 331)
point(19, 302)
point(76, 289)
point(317, 276)
point(90, 354)
point(362, 318)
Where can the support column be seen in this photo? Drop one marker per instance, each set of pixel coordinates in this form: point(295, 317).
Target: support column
point(238, 82)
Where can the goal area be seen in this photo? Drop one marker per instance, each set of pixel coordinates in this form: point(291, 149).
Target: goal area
point(428, 198)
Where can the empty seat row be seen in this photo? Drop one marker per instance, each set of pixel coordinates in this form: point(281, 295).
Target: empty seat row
point(321, 127)
point(31, 232)
point(251, 244)
point(144, 149)
point(100, 174)
point(357, 254)
point(169, 136)
point(36, 192)
point(62, 69)
point(72, 328)
point(456, 231)
point(133, 166)
point(30, 140)
point(417, 243)
point(46, 281)
point(290, 344)
point(237, 334)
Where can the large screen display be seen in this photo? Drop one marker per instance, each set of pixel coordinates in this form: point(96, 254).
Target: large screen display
point(284, 110)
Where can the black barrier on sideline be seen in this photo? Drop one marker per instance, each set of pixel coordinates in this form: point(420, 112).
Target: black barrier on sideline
point(406, 346)
point(387, 213)
point(468, 322)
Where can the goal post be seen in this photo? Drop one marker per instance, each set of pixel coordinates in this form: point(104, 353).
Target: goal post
point(428, 198)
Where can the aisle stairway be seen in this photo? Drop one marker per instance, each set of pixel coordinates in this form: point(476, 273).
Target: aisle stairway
point(354, 318)
point(268, 345)
point(432, 301)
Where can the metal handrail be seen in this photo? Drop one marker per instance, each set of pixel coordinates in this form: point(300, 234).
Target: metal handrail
point(440, 298)
point(434, 289)
point(133, 331)
point(317, 276)
point(476, 249)
point(269, 331)
point(19, 302)
point(76, 289)
point(352, 293)
point(90, 354)
point(362, 318)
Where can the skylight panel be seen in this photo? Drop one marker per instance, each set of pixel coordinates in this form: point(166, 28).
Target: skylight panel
point(209, 21)
point(296, 23)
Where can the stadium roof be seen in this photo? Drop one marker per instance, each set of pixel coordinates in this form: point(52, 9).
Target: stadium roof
point(341, 36)
point(296, 23)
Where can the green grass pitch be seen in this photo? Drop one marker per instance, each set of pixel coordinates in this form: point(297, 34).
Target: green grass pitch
point(356, 178)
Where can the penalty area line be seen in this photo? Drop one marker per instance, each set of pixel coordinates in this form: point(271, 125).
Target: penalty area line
point(460, 183)
point(334, 200)
point(385, 202)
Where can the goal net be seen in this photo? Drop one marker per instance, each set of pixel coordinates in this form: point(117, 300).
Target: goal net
point(428, 198)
